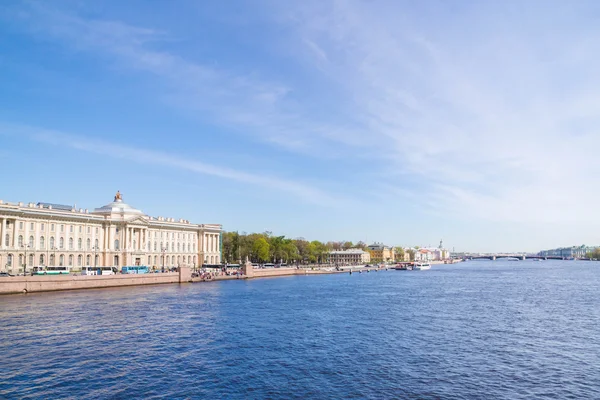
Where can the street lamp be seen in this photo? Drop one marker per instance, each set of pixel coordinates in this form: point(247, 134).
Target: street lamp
point(25, 247)
point(95, 248)
point(54, 254)
point(163, 250)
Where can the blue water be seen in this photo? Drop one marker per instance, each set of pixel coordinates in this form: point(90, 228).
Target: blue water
point(483, 329)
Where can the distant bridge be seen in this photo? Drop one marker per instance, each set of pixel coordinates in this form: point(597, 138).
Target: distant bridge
point(519, 256)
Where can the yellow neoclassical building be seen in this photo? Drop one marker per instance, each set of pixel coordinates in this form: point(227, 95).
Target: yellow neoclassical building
point(113, 235)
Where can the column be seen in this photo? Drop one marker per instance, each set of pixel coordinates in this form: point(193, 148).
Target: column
point(15, 234)
point(26, 238)
point(3, 237)
point(110, 238)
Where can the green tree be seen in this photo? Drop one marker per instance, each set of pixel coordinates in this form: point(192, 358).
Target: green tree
point(399, 253)
point(594, 253)
point(412, 254)
point(260, 249)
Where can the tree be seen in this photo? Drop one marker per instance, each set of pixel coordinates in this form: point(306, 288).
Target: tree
point(360, 245)
point(594, 253)
point(400, 253)
point(412, 254)
point(347, 245)
point(260, 249)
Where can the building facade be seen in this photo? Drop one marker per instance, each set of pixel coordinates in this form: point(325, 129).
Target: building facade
point(381, 253)
point(569, 252)
point(113, 235)
point(349, 257)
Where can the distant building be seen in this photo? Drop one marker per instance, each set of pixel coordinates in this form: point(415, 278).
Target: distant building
point(569, 252)
point(349, 257)
point(381, 253)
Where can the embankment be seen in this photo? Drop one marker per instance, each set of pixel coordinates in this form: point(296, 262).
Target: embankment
point(32, 284)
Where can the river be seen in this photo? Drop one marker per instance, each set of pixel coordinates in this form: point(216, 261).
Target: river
point(480, 329)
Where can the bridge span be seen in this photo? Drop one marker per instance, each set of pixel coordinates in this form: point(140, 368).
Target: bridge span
point(519, 256)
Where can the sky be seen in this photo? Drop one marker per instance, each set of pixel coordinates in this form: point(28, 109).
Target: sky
point(401, 122)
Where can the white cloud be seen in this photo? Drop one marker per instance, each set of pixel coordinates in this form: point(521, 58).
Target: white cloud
point(492, 116)
point(492, 107)
point(300, 191)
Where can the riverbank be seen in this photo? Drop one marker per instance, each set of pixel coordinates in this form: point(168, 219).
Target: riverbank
point(42, 283)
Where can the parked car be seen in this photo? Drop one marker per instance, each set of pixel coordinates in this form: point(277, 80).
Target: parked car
point(5, 274)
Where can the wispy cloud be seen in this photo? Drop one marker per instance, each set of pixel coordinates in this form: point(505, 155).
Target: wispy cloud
point(246, 101)
point(302, 192)
point(498, 124)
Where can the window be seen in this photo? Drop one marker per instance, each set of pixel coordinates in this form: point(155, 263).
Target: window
point(178, 247)
point(96, 243)
point(61, 243)
point(20, 240)
point(79, 260)
point(30, 261)
point(88, 244)
point(61, 260)
point(194, 246)
point(155, 260)
point(172, 235)
point(71, 228)
point(21, 225)
point(51, 259)
point(31, 226)
point(89, 229)
point(42, 226)
point(96, 230)
point(154, 245)
point(62, 228)
point(88, 258)
point(117, 244)
point(9, 260)
point(79, 244)
point(6, 240)
point(178, 235)
point(155, 234)
point(70, 243)
point(173, 246)
point(31, 239)
point(188, 247)
point(42, 242)
point(80, 229)
point(42, 260)
point(51, 227)
point(148, 246)
point(149, 260)
point(71, 259)
point(52, 242)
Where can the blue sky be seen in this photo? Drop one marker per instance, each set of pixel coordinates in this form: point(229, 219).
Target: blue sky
point(398, 122)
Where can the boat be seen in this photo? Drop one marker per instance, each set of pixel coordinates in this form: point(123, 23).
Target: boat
point(421, 266)
point(401, 266)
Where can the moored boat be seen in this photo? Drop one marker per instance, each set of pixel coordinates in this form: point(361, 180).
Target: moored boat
point(422, 266)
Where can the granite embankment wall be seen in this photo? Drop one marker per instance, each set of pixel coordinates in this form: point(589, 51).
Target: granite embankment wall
point(40, 283)
point(271, 272)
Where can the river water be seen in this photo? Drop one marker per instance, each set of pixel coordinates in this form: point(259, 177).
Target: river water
point(480, 329)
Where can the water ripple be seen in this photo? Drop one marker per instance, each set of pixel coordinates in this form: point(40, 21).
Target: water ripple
point(478, 330)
